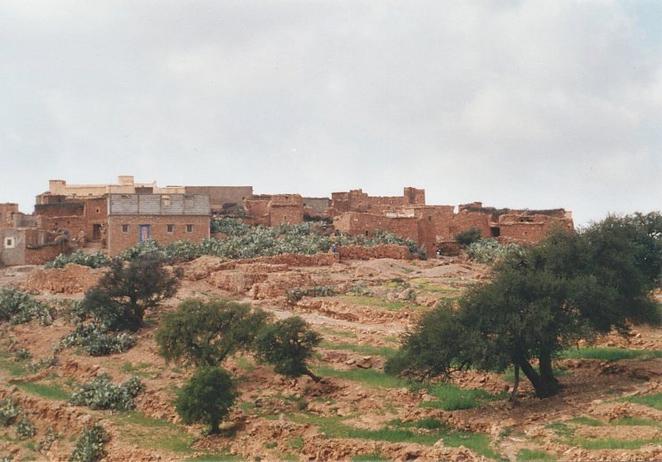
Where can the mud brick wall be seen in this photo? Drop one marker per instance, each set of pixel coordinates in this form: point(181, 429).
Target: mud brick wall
point(367, 224)
point(118, 240)
point(465, 220)
point(42, 254)
point(7, 212)
point(285, 214)
point(355, 252)
point(222, 195)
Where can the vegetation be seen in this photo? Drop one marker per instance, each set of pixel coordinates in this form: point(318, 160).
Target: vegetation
point(119, 300)
point(18, 307)
point(8, 412)
point(468, 237)
point(205, 333)
point(653, 400)
point(96, 260)
point(25, 428)
point(102, 393)
point(287, 345)
point(610, 353)
point(492, 251)
point(97, 341)
point(90, 445)
point(570, 287)
point(206, 398)
point(296, 294)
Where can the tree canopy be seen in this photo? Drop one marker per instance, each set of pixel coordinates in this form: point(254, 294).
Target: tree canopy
point(571, 286)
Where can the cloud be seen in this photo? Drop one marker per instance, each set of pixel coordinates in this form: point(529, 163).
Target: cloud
point(522, 103)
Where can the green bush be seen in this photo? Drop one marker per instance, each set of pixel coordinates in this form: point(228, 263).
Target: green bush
point(8, 412)
point(97, 341)
point(17, 307)
point(287, 345)
point(296, 294)
point(205, 333)
point(25, 429)
point(491, 251)
point(96, 260)
point(102, 393)
point(120, 298)
point(468, 237)
point(90, 445)
point(206, 398)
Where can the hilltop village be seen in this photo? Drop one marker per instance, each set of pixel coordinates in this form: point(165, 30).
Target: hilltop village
point(114, 217)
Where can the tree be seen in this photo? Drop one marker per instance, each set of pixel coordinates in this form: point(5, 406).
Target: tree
point(287, 345)
point(206, 398)
point(570, 287)
point(468, 236)
point(123, 294)
point(205, 333)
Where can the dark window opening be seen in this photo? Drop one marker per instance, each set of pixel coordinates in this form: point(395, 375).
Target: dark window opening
point(125, 228)
point(171, 228)
point(189, 228)
point(495, 231)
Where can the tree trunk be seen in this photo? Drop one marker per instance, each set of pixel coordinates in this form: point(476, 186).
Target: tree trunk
point(545, 366)
point(513, 395)
point(310, 374)
point(213, 427)
point(543, 388)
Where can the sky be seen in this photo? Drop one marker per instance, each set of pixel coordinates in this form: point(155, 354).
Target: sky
point(527, 104)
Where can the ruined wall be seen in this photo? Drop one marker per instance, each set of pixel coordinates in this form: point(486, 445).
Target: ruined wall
point(356, 200)
point(316, 206)
point(285, 214)
point(465, 220)
point(366, 224)
point(531, 227)
point(7, 213)
point(355, 252)
point(44, 253)
point(221, 196)
point(257, 211)
point(121, 238)
point(12, 247)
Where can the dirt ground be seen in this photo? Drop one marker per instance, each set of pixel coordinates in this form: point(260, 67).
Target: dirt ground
point(608, 410)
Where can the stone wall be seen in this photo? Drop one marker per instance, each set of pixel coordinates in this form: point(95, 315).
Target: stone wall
point(222, 196)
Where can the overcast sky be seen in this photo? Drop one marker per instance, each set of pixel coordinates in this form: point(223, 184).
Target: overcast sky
point(535, 104)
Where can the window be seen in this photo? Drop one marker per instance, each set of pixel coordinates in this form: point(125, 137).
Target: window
point(10, 243)
point(189, 228)
point(171, 228)
point(125, 228)
point(166, 201)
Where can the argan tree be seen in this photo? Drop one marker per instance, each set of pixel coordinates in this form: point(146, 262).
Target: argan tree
point(119, 300)
point(204, 333)
point(206, 398)
point(288, 345)
point(572, 286)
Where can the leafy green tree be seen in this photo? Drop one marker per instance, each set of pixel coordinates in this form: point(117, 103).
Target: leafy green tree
point(468, 236)
point(287, 345)
point(205, 333)
point(119, 300)
point(570, 287)
point(206, 398)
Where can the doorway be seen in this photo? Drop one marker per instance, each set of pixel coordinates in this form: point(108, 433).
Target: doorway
point(145, 233)
point(96, 232)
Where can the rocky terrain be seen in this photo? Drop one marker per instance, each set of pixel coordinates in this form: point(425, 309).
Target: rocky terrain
point(609, 410)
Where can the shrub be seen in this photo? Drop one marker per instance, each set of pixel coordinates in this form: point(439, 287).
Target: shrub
point(205, 333)
point(287, 345)
point(17, 307)
point(8, 412)
point(90, 445)
point(97, 341)
point(96, 260)
point(101, 393)
point(491, 251)
point(25, 429)
point(296, 294)
point(206, 398)
point(123, 294)
point(47, 441)
point(468, 237)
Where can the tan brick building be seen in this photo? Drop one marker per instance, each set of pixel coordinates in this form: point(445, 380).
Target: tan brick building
point(165, 218)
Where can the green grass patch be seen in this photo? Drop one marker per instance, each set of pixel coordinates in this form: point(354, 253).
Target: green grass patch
point(333, 427)
point(588, 421)
point(295, 443)
point(51, 391)
point(151, 433)
point(451, 398)
point(385, 352)
point(610, 353)
point(636, 421)
point(561, 429)
point(245, 364)
point(654, 400)
point(139, 369)
point(369, 377)
point(338, 332)
point(611, 443)
point(533, 455)
point(12, 367)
